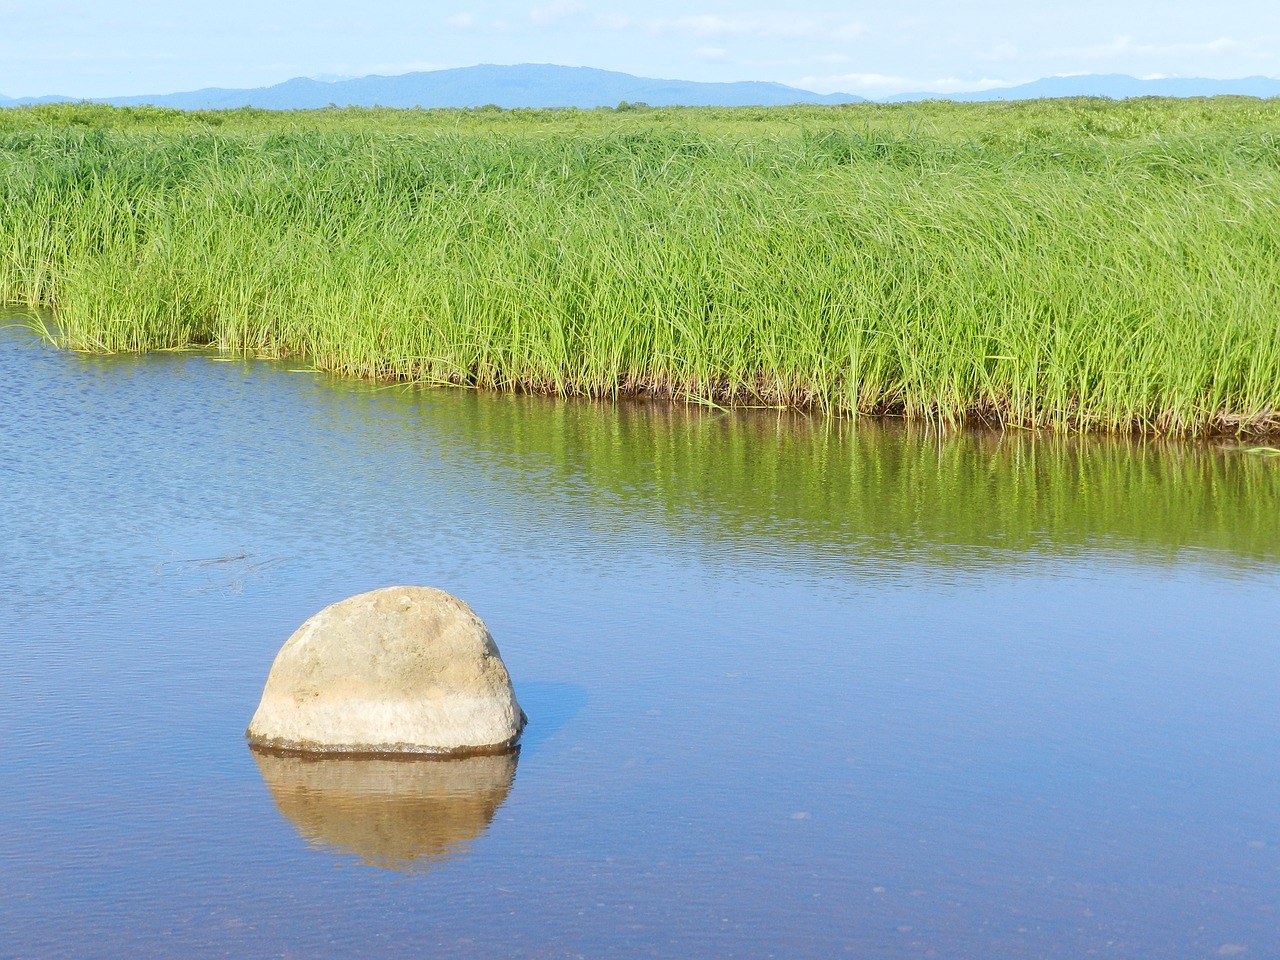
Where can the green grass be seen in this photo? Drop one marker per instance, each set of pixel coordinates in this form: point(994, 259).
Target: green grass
point(1077, 264)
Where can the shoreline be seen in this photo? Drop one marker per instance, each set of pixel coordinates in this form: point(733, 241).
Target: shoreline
point(1259, 427)
point(1081, 266)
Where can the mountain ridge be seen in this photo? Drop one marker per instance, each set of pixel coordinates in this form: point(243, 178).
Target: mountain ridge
point(1115, 86)
point(521, 85)
point(554, 86)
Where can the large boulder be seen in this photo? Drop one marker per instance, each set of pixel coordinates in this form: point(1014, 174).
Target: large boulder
point(401, 670)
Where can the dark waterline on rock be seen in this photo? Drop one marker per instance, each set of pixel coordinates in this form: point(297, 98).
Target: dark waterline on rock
point(795, 688)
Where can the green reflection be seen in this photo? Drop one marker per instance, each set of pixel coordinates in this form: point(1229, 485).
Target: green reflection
point(785, 483)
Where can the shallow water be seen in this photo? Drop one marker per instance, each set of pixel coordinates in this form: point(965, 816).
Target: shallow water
point(796, 689)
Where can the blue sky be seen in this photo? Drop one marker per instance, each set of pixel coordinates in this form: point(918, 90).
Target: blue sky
point(122, 47)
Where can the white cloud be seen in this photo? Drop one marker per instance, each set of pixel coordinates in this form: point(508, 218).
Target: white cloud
point(847, 32)
point(956, 85)
point(403, 66)
point(1123, 45)
point(852, 83)
point(462, 20)
point(1001, 51)
point(701, 26)
point(711, 53)
point(883, 85)
point(75, 56)
point(343, 28)
point(555, 12)
point(761, 26)
point(832, 58)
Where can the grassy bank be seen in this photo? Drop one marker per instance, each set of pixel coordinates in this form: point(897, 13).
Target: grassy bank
point(1078, 264)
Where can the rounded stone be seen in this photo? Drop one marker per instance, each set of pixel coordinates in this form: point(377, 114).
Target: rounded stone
point(399, 670)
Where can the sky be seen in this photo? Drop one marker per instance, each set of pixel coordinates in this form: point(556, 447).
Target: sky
point(129, 47)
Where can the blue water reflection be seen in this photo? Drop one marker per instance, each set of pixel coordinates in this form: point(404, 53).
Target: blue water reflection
point(794, 690)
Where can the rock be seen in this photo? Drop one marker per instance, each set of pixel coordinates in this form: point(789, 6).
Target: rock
point(401, 670)
point(401, 814)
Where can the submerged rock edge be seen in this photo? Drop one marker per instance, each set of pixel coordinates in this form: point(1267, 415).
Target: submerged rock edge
point(364, 751)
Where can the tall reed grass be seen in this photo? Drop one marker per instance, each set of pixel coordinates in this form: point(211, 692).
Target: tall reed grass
point(1075, 264)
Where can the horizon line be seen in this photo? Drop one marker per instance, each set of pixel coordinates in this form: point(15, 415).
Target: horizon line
point(341, 79)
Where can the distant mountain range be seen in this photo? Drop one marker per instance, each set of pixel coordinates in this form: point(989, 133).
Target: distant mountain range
point(525, 85)
point(546, 85)
point(1114, 85)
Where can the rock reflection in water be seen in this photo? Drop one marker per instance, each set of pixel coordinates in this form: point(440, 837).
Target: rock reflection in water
point(402, 814)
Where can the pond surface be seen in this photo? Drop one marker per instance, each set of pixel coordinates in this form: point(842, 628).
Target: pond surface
point(796, 689)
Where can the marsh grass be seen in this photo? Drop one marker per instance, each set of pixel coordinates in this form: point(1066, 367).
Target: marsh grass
point(1076, 264)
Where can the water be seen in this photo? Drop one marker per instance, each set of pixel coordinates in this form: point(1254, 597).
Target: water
point(795, 689)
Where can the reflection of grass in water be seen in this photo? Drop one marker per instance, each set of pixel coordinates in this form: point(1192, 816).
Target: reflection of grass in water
point(840, 488)
point(1072, 263)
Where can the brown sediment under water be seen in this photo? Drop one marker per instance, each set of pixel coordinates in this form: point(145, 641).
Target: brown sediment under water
point(796, 687)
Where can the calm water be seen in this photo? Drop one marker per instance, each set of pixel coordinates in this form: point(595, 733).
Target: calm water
point(795, 689)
